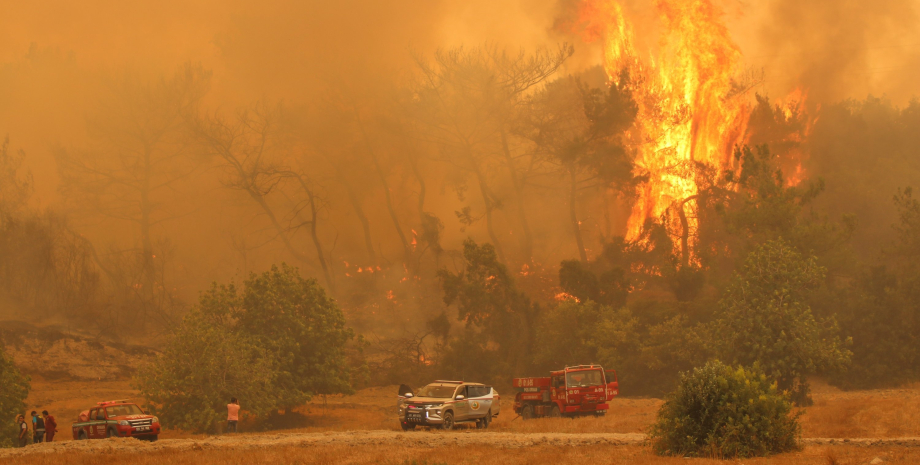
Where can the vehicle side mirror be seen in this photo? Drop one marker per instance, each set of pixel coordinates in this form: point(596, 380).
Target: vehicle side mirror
point(408, 395)
point(460, 397)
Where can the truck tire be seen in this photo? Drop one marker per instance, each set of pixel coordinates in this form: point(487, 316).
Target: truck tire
point(483, 422)
point(81, 436)
point(448, 421)
point(527, 412)
point(554, 412)
point(153, 438)
point(111, 433)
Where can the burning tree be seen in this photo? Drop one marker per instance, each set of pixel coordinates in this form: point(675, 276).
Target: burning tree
point(690, 106)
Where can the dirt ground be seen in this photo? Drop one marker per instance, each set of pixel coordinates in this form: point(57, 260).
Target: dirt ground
point(409, 449)
point(361, 429)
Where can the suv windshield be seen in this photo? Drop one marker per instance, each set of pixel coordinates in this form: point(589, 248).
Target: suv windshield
point(583, 378)
point(124, 409)
point(437, 390)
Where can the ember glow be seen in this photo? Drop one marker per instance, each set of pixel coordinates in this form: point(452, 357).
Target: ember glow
point(692, 109)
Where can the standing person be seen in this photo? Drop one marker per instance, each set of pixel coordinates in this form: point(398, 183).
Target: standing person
point(233, 414)
point(38, 428)
point(23, 430)
point(50, 426)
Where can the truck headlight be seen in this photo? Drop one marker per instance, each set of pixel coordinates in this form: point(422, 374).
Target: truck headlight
point(123, 422)
point(156, 420)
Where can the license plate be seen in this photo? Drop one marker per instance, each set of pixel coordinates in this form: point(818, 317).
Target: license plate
point(414, 417)
point(142, 428)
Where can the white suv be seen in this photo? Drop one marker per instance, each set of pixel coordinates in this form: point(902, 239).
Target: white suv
point(446, 403)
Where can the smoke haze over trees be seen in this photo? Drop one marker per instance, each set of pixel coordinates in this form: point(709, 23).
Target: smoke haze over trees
point(458, 177)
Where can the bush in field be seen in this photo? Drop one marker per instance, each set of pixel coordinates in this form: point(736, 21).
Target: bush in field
point(302, 328)
point(765, 318)
point(207, 362)
point(273, 345)
point(720, 411)
point(14, 387)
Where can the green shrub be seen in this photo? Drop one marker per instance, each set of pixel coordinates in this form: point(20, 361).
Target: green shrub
point(14, 387)
point(273, 344)
point(720, 411)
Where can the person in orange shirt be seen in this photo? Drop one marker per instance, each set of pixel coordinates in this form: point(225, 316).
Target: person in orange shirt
point(233, 414)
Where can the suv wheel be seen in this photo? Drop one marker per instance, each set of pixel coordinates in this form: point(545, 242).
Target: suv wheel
point(554, 412)
point(487, 420)
point(111, 433)
point(448, 421)
point(527, 412)
point(81, 436)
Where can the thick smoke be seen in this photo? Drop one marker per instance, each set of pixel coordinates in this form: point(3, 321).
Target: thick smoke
point(64, 67)
point(838, 49)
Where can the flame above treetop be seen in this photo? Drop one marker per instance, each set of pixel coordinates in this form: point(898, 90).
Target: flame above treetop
point(691, 107)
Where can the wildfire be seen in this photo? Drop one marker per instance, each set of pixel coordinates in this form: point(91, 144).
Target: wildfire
point(692, 110)
point(562, 296)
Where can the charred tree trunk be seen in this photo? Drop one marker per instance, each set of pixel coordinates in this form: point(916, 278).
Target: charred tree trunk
point(413, 162)
point(607, 228)
point(518, 183)
point(573, 215)
point(359, 210)
point(490, 206)
point(313, 233)
point(685, 233)
point(423, 216)
point(282, 232)
point(407, 250)
point(148, 290)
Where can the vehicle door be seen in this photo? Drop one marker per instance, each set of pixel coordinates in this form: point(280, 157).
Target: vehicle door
point(87, 425)
point(480, 400)
point(558, 390)
point(461, 405)
point(99, 424)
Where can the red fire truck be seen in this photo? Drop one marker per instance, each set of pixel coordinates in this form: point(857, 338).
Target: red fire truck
point(573, 391)
point(116, 418)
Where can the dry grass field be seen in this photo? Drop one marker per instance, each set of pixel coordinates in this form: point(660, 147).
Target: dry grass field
point(836, 414)
point(447, 454)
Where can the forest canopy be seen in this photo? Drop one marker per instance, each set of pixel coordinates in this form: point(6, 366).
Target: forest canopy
point(444, 194)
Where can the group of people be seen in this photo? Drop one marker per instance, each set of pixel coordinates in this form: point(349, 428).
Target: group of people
point(43, 428)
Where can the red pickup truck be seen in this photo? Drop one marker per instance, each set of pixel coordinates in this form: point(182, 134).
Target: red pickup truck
point(117, 418)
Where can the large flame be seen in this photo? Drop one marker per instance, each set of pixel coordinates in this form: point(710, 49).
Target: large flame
point(691, 108)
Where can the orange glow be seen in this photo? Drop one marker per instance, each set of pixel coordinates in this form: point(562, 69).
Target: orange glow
point(692, 110)
point(562, 296)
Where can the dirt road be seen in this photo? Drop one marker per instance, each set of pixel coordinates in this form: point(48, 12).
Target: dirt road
point(352, 438)
point(370, 438)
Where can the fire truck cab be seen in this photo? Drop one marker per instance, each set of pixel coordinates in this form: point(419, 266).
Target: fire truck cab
point(572, 391)
point(116, 418)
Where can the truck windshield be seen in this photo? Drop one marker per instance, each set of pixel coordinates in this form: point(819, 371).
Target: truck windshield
point(437, 390)
point(583, 378)
point(124, 409)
